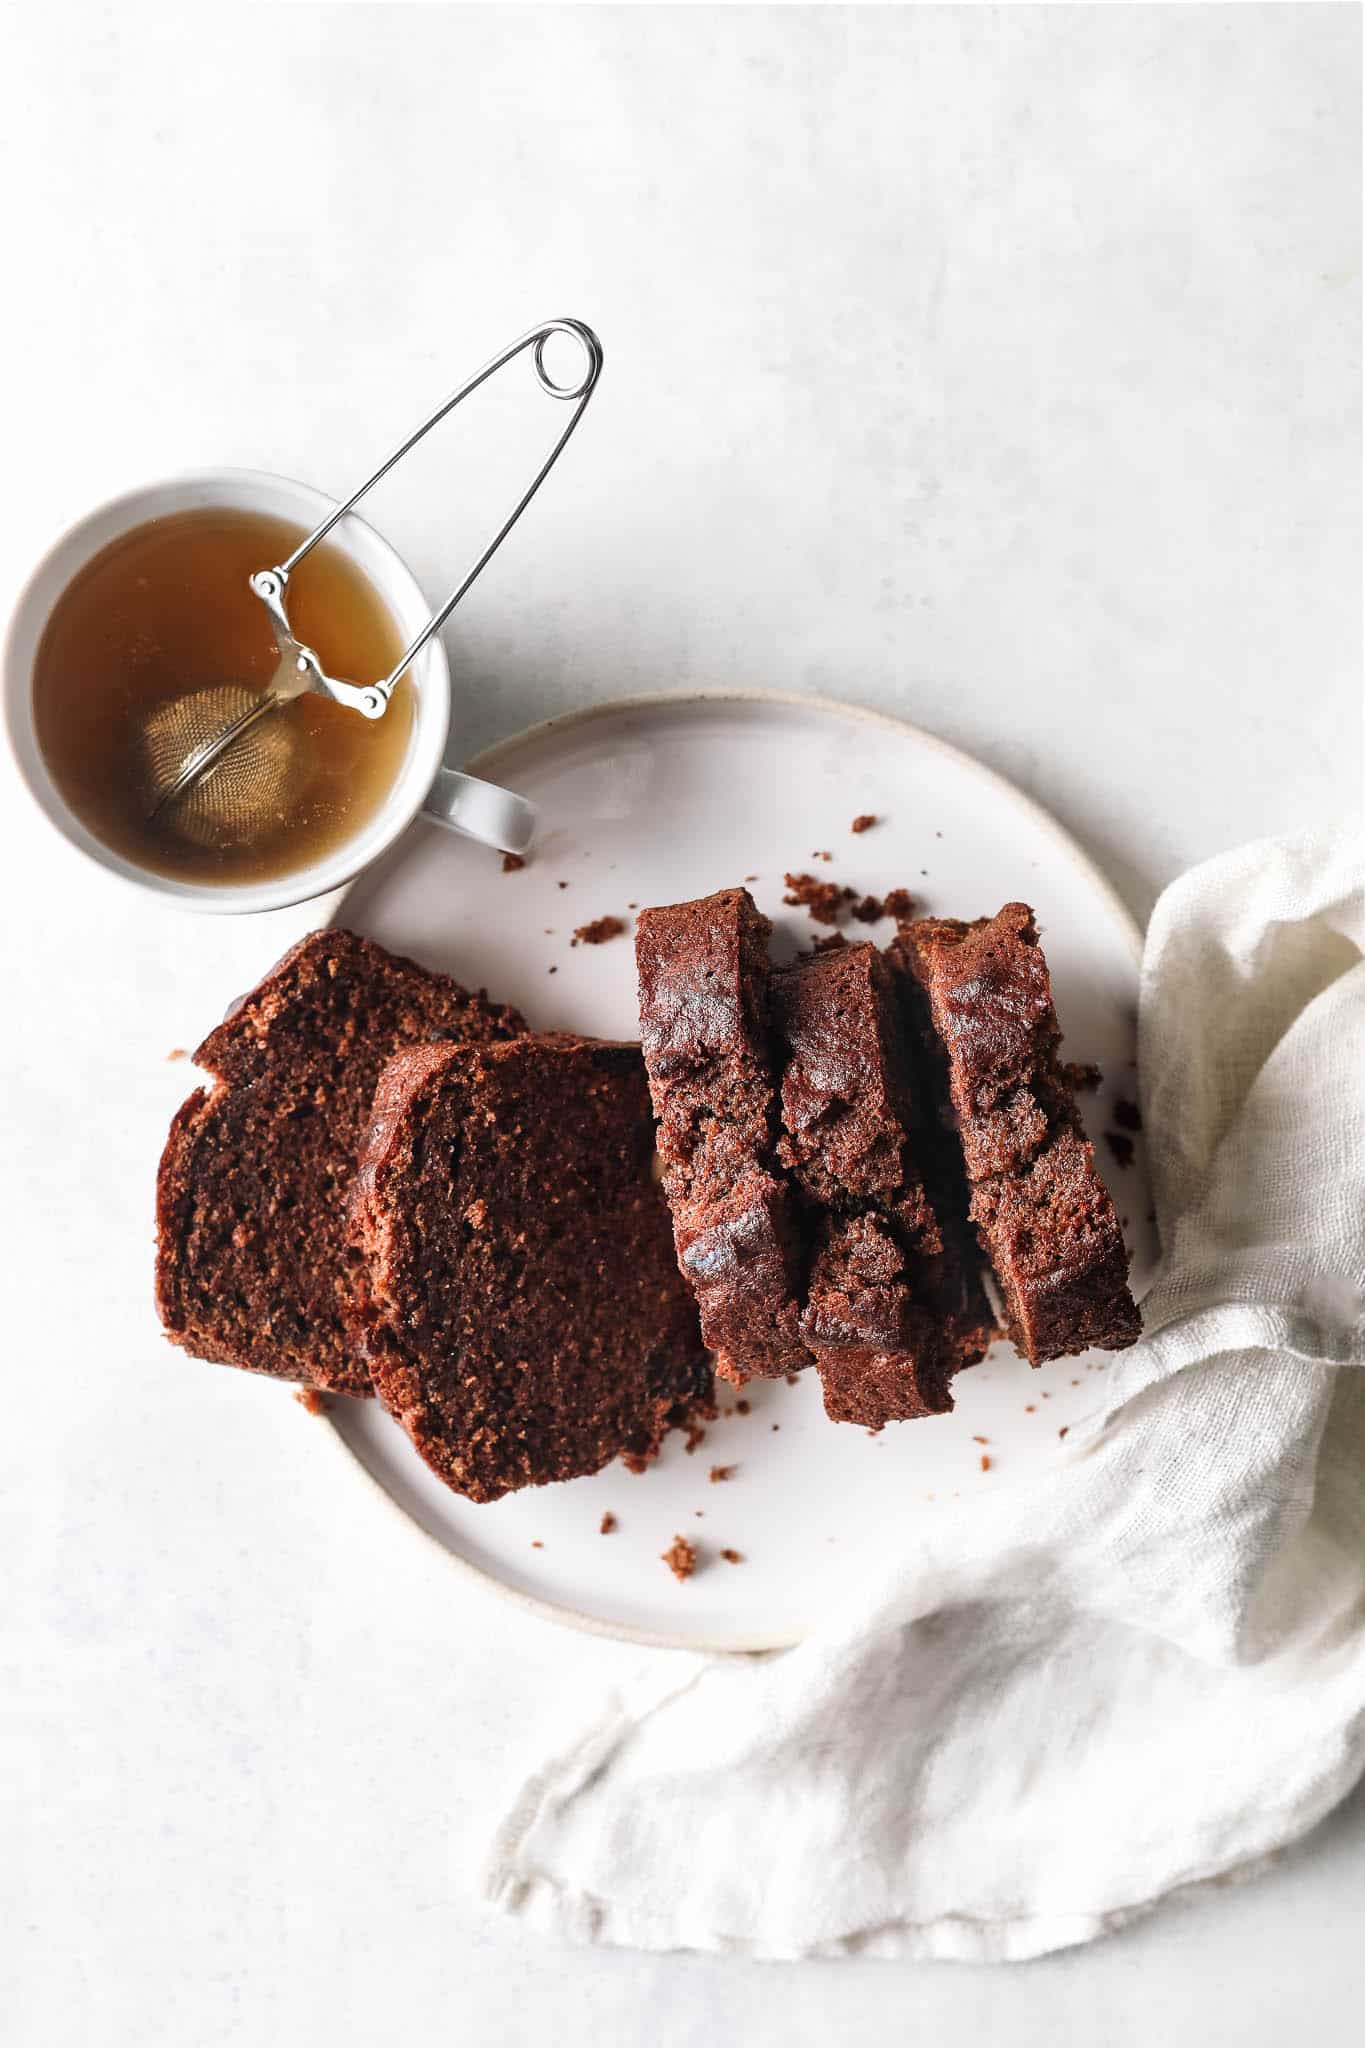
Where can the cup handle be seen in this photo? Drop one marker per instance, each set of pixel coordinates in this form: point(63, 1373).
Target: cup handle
point(481, 810)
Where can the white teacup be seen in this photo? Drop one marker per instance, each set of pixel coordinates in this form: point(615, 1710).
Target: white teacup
point(480, 810)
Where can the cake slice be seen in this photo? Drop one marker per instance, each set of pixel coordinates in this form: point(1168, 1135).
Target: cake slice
point(893, 1305)
point(512, 1264)
point(703, 969)
point(981, 998)
point(256, 1172)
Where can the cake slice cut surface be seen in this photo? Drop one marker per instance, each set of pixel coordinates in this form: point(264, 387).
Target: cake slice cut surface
point(256, 1173)
point(513, 1267)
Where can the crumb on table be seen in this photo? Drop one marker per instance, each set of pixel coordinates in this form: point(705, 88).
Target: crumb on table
point(864, 821)
point(311, 1399)
point(177, 1052)
point(512, 863)
point(741, 1407)
point(719, 1473)
point(1121, 1145)
point(985, 1461)
point(607, 1523)
point(1127, 1115)
point(1083, 1075)
point(681, 1558)
point(536, 1543)
point(733, 1556)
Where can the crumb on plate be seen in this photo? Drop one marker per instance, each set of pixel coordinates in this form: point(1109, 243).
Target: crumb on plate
point(598, 931)
point(681, 1558)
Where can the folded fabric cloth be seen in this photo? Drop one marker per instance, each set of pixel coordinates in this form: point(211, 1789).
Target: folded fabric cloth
point(1063, 1706)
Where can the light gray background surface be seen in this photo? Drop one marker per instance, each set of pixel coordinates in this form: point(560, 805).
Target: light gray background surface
point(997, 369)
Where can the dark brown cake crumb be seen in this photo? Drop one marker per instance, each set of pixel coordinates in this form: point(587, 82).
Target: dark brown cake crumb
point(833, 943)
point(1063, 1430)
point(720, 1473)
point(741, 1407)
point(552, 970)
point(177, 1052)
point(733, 1556)
point(311, 1399)
point(793, 1379)
point(751, 878)
point(1121, 1145)
point(599, 931)
point(512, 863)
point(561, 885)
point(681, 1558)
point(1127, 1115)
point(864, 821)
point(607, 1523)
point(985, 1462)
point(828, 901)
point(822, 853)
point(1082, 1075)
point(537, 1544)
point(696, 1434)
point(824, 900)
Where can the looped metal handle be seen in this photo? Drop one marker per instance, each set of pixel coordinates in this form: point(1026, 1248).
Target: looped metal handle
point(270, 585)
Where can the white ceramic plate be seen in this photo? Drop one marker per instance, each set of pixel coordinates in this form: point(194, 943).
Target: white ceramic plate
point(653, 801)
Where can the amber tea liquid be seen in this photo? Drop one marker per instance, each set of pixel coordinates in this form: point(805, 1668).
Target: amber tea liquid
point(166, 609)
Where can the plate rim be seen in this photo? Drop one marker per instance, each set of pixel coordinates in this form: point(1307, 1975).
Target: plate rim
point(486, 763)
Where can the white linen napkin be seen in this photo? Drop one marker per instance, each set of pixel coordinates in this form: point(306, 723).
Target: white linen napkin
point(1063, 1706)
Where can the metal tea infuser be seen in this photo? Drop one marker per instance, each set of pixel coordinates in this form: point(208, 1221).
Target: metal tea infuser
point(215, 753)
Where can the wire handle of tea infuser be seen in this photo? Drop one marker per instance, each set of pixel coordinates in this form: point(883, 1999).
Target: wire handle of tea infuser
point(270, 585)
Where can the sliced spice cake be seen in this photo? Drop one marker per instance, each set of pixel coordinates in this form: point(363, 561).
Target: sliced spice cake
point(703, 969)
point(513, 1267)
point(893, 1306)
point(257, 1170)
point(981, 1001)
